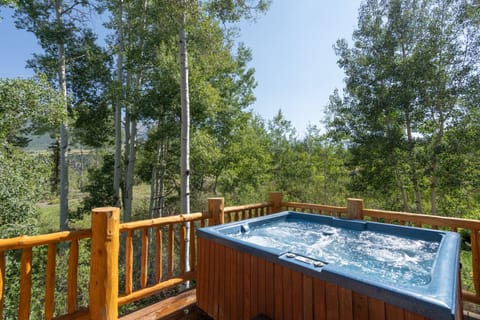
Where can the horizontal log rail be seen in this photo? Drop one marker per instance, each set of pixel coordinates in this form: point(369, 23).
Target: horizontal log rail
point(422, 220)
point(145, 292)
point(315, 208)
point(43, 239)
point(182, 218)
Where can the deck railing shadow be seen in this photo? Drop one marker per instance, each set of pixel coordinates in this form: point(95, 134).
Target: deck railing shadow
point(161, 245)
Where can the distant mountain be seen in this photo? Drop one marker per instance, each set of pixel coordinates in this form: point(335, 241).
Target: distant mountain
point(39, 143)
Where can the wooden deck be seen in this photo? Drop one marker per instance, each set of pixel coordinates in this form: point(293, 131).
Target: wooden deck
point(180, 307)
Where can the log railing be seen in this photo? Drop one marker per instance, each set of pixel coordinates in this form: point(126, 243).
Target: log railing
point(52, 241)
point(242, 212)
point(161, 245)
point(237, 213)
point(163, 231)
point(339, 212)
point(105, 236)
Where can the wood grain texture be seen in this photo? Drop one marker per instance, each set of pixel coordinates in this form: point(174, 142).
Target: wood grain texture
point(72, 277)
point(144, 259)
point(25, 284)
point(129, 262)
point(238, 285)
point(50, 281)
point(2, 281)
point(103, 291)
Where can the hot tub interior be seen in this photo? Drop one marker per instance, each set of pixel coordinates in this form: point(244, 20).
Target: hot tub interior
point(397, 259)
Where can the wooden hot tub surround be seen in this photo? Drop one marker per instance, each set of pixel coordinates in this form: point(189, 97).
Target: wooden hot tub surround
point(239, 279)
point(244, 286)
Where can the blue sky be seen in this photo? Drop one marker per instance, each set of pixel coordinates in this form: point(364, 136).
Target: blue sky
point(296, 67)
point(292, 48)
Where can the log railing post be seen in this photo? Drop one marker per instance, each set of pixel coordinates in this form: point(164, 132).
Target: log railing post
point(103, 291)
point(475, 241)
point(216, 210)
point(2, 282)
point(275, 198)
point(354, 209)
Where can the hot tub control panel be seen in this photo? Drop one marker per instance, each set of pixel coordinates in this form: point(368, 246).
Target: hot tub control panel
point(313, 262)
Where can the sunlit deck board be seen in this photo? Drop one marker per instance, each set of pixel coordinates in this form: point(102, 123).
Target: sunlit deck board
point(171, 308)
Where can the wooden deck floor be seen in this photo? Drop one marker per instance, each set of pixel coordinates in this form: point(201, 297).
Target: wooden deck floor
point(180, 307)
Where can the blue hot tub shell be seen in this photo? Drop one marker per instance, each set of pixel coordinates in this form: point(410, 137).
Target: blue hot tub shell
point(439, 299)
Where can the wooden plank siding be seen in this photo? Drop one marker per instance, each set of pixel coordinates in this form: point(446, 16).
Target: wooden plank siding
point(247, 286)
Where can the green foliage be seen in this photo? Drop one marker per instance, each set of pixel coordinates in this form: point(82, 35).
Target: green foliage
point(89, 81)
point(99, 187)
point(8, 3)
point(234, 10)
point(467, 271)
point(25, 104)
point(409, 92)
point(87, 65)
point(244, 163)
point(329, 177)
point(22, 181)
point(404, 135)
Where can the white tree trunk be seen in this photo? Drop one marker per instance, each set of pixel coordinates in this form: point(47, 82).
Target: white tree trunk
point(435, 162)
point(130, 140)
point(185, 133)
point(413, 167)
point(117, 171)
point(62, 82)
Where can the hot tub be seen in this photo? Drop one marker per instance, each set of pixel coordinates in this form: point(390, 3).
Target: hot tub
point(294, 265)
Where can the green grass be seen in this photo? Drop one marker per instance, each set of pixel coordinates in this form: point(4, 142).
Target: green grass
point(49, 212)
point(49, 216)
point(467, 272)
